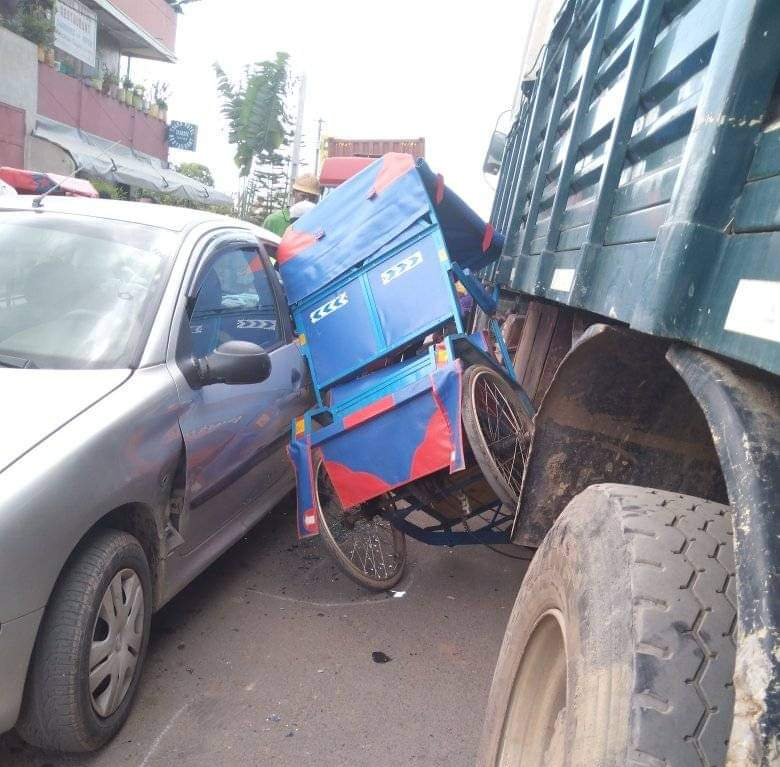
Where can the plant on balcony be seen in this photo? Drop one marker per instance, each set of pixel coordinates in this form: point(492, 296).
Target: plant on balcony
point(138, 97)
point(33, 21)
point(110, 82)
point(160, 92)
point(127, 91)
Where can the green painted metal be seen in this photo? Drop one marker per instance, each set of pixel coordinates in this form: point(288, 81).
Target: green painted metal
point(641, 179)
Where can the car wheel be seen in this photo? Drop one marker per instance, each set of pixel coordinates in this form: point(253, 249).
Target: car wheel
point(90, 648)
point(620, 648)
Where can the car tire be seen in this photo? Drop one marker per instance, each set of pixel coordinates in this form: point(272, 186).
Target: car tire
point(60, 710)
point(620, 647)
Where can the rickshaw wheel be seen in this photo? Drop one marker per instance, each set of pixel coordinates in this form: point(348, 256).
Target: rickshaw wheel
point(498, 430)
point(369, 550)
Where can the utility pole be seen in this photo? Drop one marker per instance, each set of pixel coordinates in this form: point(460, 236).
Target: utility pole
point(296, 149)
point(320, 123)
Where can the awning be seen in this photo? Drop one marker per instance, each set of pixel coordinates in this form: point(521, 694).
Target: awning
point(99, 158)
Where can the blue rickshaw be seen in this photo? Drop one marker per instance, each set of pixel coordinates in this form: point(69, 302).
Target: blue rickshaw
point(419, 427)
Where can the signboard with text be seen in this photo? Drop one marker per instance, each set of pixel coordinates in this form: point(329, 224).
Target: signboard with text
point(75, 30)
point(182, 136)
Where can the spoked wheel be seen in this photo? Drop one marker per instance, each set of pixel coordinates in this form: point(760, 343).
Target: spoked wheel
point(498, 430)
point(367, 548)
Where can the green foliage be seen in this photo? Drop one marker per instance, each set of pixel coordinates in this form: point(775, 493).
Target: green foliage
point(107, 190)
point(197, 171)
point(256, 113)
point(33, 21)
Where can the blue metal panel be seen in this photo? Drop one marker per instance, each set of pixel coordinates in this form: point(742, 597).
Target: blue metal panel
point(411, 291)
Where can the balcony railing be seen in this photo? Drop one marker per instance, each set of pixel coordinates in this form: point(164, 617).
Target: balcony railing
point(73, 102)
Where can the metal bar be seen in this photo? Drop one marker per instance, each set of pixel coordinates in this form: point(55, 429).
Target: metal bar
point(529, 149)
point(584, 98)
point(547, 145)
point(620, 134)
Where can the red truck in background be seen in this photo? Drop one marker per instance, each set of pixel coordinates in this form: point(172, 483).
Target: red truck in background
point(346, 157)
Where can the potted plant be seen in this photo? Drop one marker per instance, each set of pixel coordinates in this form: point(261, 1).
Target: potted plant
point(34, 23)
point(110, 81)
point(162, 109)
point(127, 90)
point(160, 93)
point(138, 97)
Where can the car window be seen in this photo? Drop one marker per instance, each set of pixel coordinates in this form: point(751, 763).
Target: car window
point(235, 302)
point(78, 292)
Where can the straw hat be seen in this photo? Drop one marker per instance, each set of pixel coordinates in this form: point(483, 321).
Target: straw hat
point(307, 184)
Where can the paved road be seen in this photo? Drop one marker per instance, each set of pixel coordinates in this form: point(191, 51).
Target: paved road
point(266, 660)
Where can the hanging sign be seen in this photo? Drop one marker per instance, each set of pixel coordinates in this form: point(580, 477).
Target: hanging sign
point(182, 136)
point(75, 30)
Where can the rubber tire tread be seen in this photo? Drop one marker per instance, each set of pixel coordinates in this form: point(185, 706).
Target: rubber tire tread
point(55, 715)
point(645, 580)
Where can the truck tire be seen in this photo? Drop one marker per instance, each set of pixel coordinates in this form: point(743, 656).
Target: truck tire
point(69, 703)
point(620, 647)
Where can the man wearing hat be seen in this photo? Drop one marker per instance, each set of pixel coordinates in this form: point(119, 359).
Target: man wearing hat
point(306, 194)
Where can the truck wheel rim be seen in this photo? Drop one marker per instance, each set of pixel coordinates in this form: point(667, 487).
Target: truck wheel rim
point(117, 639)
point(533, 732)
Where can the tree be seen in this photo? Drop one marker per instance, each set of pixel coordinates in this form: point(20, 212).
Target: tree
point(197, 171)
point(259, 127)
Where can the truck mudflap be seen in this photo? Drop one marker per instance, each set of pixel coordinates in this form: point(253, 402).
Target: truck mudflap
point(742, 412)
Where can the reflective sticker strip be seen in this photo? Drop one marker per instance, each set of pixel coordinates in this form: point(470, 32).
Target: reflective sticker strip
point(402, 267)
point(443, 255)
point(442, 357)
point(562, 280)
point(321, 312)
point(755, 310)
point(255, 324)
point(302, 339)
point(300, 426)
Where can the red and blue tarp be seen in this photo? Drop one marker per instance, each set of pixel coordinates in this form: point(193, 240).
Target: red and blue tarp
point(358, 219)
point(384, 444)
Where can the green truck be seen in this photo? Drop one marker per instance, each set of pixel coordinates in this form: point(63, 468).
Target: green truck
point(639, 192)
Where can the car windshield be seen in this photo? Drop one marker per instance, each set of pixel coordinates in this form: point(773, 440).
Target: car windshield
point(78, 292)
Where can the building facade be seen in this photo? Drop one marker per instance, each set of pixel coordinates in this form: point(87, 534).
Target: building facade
point(66, 103)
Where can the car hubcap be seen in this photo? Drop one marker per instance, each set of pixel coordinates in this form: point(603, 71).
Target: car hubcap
point(116, 642)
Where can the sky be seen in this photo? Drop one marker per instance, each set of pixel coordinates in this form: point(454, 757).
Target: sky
point(440, 70)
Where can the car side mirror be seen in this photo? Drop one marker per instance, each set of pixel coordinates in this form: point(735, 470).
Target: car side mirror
point(495, 153)
point(234, 362)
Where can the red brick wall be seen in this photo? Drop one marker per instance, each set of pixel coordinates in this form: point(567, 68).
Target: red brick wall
point(12, 127)
point(69, 101)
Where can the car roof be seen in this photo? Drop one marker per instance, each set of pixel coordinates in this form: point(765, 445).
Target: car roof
point(171, 218)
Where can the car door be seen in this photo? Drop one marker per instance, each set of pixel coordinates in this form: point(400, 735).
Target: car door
point(236, 435)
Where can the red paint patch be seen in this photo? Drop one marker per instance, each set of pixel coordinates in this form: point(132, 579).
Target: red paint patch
point(369, 411)
point(394, 165)
point(292, 244)
point(354, 487)
point(487, 240)
point(434, 451)
point(439, 188)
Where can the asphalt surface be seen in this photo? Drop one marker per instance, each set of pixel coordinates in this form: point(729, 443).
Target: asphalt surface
point(266, 659)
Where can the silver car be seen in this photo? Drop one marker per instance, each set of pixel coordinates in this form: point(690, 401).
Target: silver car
point(148, 378)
